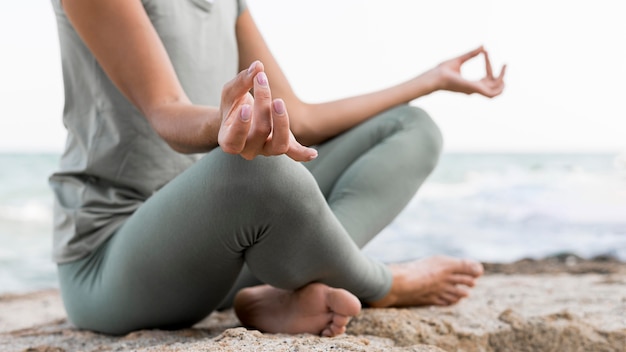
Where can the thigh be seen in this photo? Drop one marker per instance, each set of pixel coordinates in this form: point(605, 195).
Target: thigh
point(369, 173)
point(410, 129)
point(170, 263)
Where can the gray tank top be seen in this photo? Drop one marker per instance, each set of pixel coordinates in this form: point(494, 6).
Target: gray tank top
point(113, 160)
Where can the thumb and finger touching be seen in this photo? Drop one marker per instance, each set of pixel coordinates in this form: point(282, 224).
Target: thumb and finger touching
point(489, 85)
point(257, 125)
point(236, 109)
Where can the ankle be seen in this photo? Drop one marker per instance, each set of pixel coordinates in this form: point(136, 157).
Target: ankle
point(391, 298)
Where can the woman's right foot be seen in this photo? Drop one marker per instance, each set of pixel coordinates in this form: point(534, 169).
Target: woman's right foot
point(437, 280)
point(315, 308)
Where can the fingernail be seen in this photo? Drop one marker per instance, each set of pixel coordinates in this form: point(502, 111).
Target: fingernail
point(262, 79)
point(314, 155)
point(279, 106)
point(246, 113)
point(252, 67)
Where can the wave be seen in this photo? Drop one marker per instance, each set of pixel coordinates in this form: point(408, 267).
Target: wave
point(504, 208)
point(30, 212)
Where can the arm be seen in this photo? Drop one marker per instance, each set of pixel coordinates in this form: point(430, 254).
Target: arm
point(315, 123)
point(121, 37)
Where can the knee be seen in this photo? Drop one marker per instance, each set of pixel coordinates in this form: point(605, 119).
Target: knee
point(428, 133)
point(424, 136)
point(282, 178)
point(276, 178)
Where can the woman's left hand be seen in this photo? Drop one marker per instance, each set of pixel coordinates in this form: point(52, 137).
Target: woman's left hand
point(449, 76)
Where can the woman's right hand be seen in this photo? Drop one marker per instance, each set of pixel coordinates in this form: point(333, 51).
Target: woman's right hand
point(256, 125)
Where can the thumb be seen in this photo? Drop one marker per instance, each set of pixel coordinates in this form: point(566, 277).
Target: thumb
point(241, 84)
point(298, 152)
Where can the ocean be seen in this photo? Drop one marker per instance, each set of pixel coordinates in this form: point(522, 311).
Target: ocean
point(489, 207)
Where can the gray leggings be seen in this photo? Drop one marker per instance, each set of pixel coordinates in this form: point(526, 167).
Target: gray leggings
point(228, 223)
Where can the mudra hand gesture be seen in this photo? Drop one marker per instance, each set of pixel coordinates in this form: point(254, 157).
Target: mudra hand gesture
point(450, 79)
point(257, 125)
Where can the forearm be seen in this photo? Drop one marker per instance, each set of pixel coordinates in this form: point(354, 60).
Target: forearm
point(187, 128)
point(315, 123)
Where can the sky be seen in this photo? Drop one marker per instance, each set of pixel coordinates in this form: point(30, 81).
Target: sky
point(564, 84)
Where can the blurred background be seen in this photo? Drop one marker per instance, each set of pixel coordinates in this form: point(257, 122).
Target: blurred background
point(537, 171)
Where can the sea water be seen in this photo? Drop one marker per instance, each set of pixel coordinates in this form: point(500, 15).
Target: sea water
point(489, 207)
point(25, 222)
point(504, 207)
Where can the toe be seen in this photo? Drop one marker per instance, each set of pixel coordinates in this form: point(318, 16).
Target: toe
point(462, 279)
point(471, 267)
point(440, 301)
point(327, 332)
point(343, 302)
point(340, 320)
point(337, 329)
point(449, 298)
point(333, 329)
point(458, 291)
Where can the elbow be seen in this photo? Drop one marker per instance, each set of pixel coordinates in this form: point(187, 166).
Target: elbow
point(177, 147)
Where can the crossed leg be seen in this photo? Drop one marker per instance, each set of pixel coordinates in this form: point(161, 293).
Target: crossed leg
point(367, 176)
point(176, 258)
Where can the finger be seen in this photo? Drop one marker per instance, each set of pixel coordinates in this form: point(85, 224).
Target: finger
point(491, 88)
point(470, 54)
point(490, 92)
point(501, 76)
point(241, 84)
point(488, 65)
point(298, 152)
point(279, 143)
point(232, 137)
point(471, 87)
point(262, 115)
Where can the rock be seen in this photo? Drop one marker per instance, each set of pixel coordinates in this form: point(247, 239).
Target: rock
point(506, 312)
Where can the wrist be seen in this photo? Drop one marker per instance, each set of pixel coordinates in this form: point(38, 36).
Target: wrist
point(424, 84)
point(433, 80)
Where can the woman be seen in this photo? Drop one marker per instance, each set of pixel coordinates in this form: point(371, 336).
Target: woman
point(150, 234)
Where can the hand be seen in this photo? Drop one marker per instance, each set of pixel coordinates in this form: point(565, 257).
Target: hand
point(449, 76)
point(256, 125)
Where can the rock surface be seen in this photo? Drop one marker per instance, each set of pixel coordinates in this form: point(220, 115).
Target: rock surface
point(557, 304)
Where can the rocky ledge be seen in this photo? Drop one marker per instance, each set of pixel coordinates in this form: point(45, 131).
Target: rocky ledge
point(562, 303)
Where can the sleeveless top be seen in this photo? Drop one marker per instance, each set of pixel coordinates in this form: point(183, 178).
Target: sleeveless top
point(113, 160)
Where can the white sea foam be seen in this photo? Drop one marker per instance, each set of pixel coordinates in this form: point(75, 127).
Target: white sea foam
point(29, 212)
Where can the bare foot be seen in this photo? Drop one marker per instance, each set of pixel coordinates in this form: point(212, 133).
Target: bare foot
point(316, 309)
point(436, 280)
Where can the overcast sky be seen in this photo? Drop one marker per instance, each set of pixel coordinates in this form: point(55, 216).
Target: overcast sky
point(565, 81)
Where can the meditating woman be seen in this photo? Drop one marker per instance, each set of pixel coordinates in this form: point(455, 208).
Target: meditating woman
point(194, 179)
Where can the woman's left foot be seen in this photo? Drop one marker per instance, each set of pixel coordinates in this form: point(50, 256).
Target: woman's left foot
point(315, 308)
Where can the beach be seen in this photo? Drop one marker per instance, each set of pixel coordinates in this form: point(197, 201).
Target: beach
point(560, 303)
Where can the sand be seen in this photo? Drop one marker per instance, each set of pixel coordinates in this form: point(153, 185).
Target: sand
point(557, 304)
